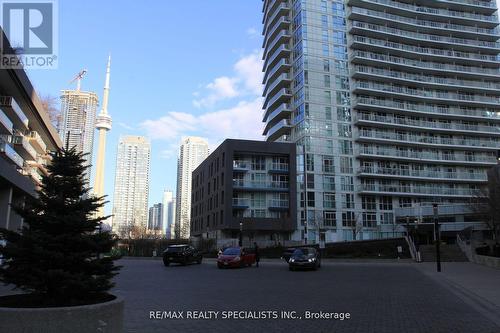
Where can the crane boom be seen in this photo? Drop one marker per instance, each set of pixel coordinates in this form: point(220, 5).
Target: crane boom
point(78, 79)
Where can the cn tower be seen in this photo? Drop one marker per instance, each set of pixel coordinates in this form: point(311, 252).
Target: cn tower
point(103, 125)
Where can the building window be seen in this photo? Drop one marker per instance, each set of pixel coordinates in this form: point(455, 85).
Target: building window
point(368, 203)
point(369, 220)
point(329, 200)
point(258, 163)
point(387, 218)
point(330, 219)
point(348, 219)
point(385, 203)
point(346, 164)
point(310, 199)
point(347, 200)
point(328, 165)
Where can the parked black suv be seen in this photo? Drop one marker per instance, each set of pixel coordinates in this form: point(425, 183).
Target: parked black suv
point(181, 254)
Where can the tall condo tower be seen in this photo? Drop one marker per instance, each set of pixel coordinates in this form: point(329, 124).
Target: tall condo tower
point(168, 213)
point(393, 105)
point(103, 125)
point(78, 109)
point(192, 152)
point(130, 200)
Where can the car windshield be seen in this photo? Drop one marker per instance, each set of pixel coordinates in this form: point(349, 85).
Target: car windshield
point(175, 249)
point(232, 251)
point(303, 252)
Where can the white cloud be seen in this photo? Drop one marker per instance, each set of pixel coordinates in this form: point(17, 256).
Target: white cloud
point(246, 81)
point(125, 126)
point(252, 32)
point(243, 121)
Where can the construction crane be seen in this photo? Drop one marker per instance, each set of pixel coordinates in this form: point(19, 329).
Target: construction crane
point(78, 79)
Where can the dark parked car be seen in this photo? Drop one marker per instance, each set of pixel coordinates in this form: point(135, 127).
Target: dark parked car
point(305, 257)
point(287, 254)
point(235, 257)
point(181, 254)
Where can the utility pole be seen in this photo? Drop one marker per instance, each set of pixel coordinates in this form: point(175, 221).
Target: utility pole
point(437, 236)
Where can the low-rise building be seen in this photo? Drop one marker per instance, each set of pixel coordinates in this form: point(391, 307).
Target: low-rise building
point(26, 138)
point(245, 188)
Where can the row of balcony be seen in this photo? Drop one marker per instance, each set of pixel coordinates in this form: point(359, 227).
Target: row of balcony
point(273, 12)
point(240, 165)
point(411, 138)
point(390, 75)
point(281, 81)
point(282, 65)
point(472, 43)
point(427, 94)
point(413, 189)
point(431, 109)
point(417, 65)
point(440, 12)
point(10, 154)
point(418, 51)
point(282, 111)
point(282, 95)
point(274, 203)
point(445, 27)
point(281, 38)
point(281, 52)
point(400, 172)
point(281, 127)
point(13, 111)
point(270, 185)
point(446, 126)
point(426, 155)
point(269, 33)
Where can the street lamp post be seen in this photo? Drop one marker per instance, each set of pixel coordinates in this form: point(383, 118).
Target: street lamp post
point(437, 236)
point(240, 242)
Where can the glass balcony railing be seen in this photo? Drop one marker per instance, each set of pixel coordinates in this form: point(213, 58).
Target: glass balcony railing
point(241, 202)
point(241, 165)
point(425, 37)
point(445, 53)
point(414, 189)
point(424, 173)
point(426, 124)
point(278, 204)
point(426, 64)
point(427, 108)
point(260, 185)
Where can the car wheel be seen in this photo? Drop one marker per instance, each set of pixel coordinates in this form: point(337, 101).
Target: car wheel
point(291, 268)
point(166, 263)
point(198, 261)
point(219, 266)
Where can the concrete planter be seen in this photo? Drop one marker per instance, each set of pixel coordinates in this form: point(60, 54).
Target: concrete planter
point(103, 317)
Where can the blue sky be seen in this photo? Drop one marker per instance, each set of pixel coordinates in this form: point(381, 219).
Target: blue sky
point(178, 68)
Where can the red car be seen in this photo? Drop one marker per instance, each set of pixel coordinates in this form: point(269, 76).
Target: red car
point(235, 257)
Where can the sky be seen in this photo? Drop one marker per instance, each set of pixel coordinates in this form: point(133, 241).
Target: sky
point(178, 68)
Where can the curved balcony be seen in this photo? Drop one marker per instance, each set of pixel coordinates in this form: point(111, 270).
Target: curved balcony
point(414, 190)
point(282, 111)
point(282, 66)
point(281, 38)
point(433, 82)
point(281, 128)
point(274, 11)
point(453, 127)
point(282, 52)
point(412, 65)
point(282, 96)
point(376, 30)
point(425, 156)
point(425, 94)
point(445, 13)
point(283, 23)
point(399, 173)
point(439, 28)
point(406, 50)
point(282, 81)
point(376, 104)
point(411, 139)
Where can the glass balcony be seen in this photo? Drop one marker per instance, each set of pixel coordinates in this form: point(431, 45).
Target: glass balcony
point(403, 173)
point(278, 167)
point(392, 76)
point(282, 37)
point(241, 165)
point(10, 154)
point(275, 11)
point(434, 66)
point(418, 51)
point(255, 185)
point(269, 33)
point(378, 103)
point(281, 81)
point(282, 65)
point(282, 95)
point(281, 128)
point(241, 203)
point(37, 142)
point(6, 125)
point(409, 122)
point(23, 147)
point(10, 107)
point(414, 189)
point(281, 111)
point(433, 39)
point(278, 204)
point(282, 52)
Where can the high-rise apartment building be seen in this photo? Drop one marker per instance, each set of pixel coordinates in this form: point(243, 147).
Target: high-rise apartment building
point(130, 201)
point(155, 221)
point(192, 152)
point(392, 104)
point(168, 217)
point(78, 109)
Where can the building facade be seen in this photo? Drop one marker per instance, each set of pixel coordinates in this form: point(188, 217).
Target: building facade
point(168, 213)
point(245, 187)
point(155, 221)
point(192, 152)
point(392, 104)
point(26, 138)
point(130, 200)
point(78, 110)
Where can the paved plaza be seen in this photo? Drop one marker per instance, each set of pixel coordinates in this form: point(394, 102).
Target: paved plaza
point(379, 297)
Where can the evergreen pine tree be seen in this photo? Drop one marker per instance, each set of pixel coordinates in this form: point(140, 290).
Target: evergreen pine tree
point(56, 256)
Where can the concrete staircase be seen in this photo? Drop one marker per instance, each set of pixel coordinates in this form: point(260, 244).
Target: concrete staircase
point(449, 252)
